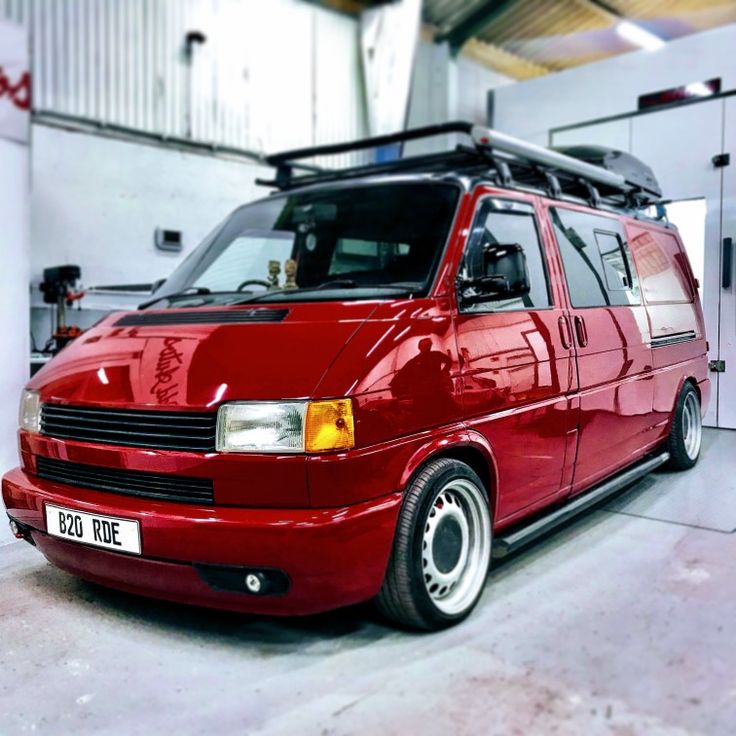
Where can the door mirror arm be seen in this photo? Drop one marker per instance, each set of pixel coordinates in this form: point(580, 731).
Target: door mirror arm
point(486, 289)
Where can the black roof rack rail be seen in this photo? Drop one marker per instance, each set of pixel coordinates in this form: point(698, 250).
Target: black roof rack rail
point(595, 173)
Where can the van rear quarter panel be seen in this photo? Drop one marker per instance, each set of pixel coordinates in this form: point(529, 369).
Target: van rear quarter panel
point(674, 312)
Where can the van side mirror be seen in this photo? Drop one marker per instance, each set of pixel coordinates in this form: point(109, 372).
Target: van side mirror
point(505, 276)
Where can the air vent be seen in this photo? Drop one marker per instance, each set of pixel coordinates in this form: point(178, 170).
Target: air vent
point(202, 317)
point(127, 482)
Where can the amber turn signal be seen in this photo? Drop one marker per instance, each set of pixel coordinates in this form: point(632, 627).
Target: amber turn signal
point(329, 426)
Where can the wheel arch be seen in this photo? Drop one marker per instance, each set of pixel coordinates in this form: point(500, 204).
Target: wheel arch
point(468, 447)
point(684, 381)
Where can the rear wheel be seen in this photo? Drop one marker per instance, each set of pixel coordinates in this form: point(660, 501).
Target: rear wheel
point(441, 550)
point(687, 430)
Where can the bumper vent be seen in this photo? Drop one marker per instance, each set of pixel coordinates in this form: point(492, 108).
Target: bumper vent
point(202, 317)
point(127, 482)
point(159, 430)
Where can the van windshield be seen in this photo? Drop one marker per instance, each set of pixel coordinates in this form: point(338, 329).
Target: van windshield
point(360, 242)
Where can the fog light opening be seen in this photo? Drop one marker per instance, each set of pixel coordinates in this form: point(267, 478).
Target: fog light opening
point(254, 582)
point(21, 531)
point(245, 580)
point(15, 529)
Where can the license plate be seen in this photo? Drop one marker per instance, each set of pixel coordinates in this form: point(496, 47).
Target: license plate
point(110, 532)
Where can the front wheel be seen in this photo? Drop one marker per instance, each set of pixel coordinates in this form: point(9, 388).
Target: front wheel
point(686, 434)
point(442, 548)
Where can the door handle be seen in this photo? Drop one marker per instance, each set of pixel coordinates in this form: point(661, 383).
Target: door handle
point(727, 263)
point(580, 331)
point(565, 333)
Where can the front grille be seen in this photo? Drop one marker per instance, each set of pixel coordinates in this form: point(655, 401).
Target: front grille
point(160, 430)
point(127, 482)
point(202, 317)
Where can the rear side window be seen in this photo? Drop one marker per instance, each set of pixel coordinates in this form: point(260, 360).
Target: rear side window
point(505, 222)
point(663, 268)
point(598, 265)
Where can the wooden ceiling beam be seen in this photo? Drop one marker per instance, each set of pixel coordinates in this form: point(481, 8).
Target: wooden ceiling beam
point(473, 24)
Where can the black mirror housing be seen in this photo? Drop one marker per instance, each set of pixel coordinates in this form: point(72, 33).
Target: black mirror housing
point(505, 275)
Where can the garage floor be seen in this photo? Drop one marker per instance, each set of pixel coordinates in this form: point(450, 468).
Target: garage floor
point(622, 623)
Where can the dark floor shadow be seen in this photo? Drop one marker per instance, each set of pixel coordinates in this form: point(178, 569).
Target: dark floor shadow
point(358, 625)
point(567, 533)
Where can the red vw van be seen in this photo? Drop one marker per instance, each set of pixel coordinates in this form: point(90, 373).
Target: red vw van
point(370, 383)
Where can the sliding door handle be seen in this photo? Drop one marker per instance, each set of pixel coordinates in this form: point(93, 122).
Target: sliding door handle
point(565, 333)
point(727, 263)
point(580, 331)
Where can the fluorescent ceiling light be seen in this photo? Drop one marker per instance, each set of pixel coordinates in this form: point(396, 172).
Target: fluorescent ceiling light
point(639, 36)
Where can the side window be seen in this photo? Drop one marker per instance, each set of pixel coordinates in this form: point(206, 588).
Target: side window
point(598, 265)
point(663, 268)
point(506, 222)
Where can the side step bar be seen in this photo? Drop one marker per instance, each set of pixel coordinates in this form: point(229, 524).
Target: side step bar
point(519, 538)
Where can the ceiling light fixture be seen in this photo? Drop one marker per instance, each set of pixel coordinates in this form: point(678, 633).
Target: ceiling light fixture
point(699, 89)
point(639, 36)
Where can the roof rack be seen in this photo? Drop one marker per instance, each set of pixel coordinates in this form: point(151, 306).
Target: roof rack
point(615, 178)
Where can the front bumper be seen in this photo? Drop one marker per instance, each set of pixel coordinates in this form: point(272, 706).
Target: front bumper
point(333, 557)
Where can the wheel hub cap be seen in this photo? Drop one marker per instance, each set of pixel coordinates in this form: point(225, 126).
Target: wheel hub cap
point(456, 546)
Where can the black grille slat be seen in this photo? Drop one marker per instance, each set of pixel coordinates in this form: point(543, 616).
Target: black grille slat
point(148, 429)
point(127, 482)
point(204, 423)
point(137, 443)
point(202, 317)
point(108, 412)
point(100, 430)
point(155, 483)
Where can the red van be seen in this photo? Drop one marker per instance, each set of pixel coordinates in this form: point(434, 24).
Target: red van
point(370, 383)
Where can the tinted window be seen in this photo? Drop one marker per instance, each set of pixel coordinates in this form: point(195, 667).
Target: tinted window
point(663, 268)
point(598, 265)
point(506, 222)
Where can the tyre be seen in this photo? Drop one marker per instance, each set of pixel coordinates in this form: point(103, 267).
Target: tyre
point(686, 434)
point(442, 548)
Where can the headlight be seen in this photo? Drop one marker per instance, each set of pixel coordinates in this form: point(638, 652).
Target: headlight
point(30, 411)
point(288, 426)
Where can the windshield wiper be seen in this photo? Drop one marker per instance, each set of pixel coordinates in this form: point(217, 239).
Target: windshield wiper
point(189, 291)
point(335, 284)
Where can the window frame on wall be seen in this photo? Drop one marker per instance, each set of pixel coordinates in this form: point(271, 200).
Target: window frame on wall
point(513, 207)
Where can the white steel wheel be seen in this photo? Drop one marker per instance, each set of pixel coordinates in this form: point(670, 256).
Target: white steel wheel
point(441, 550)
point(686, 434)
point(456, 546)
point(692, 426)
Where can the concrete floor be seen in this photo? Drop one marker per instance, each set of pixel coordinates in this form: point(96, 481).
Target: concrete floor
point(622, 623)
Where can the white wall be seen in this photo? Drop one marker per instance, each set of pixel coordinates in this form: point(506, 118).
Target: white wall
point(445, 89)
point(96, 202)
point(14, 249)
point(14, 273)
point(530, 109)
point(272, 74)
